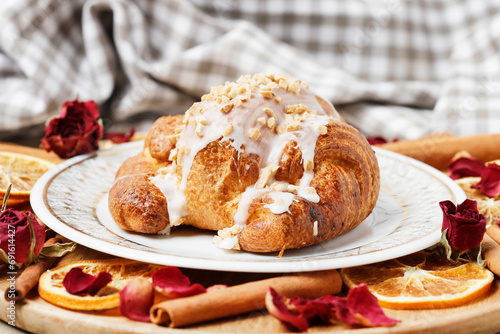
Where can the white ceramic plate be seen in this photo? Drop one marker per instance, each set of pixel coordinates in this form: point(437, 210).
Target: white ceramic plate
point(72, 200)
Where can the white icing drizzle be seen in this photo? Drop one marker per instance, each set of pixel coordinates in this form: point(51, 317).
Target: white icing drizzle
point(228, 243)
point(235, 126)
point(281, 202)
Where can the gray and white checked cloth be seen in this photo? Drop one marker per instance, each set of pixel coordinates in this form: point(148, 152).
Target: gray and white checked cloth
point(397, 69)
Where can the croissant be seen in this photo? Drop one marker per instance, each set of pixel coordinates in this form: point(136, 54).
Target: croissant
point(263, 161)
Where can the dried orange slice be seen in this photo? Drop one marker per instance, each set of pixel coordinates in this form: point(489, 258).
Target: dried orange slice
point(421, 281)
point(51, 289)
point(489, 207)
point(22, 171)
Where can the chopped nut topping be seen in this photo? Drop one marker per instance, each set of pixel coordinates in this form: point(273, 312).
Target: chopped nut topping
point(293, 189)
point(322, 130)
point(193, 123)
point(178, 130)
point(267, 94)
point(308, 165)
point(172, 139)
point(173, 155)
point(227, 130)
point(199, 130)
point(269, 112)
point(254, 133)
point(296, 109)
point(280, 129)
point(277, 99)
point(227, 233)
point(227, 108)
point(271, 123)
point(278, 186)
point(294, 87)
point(200, 119)
point(265, 175)
point(224, 233)
point(261, 120)
point(238, 103)
point(183, 149)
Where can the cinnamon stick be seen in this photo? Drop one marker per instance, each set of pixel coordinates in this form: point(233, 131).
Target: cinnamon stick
point(490, 250)
point(438, 150)
point(30, 276)
point(243, 298)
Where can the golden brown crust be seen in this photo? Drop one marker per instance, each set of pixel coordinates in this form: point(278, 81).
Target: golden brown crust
point(346, 178)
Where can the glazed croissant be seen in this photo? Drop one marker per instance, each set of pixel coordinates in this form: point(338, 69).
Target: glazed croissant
point(263, 161)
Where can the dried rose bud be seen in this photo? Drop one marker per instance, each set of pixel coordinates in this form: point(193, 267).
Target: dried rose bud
point(118, 137)
point(79, 283)
point(76, 131)
point(490, 181)
point(171, 282)
point(464, 167)
point(465, 225)
point(18, 244)
point(136, 298)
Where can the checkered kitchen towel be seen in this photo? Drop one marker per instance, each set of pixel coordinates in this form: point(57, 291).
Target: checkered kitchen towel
point(393, 68)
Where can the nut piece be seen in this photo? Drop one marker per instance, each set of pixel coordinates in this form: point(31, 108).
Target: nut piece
point(271, 123)
point(201, 119)
point(227, 108)
point(254, 133)
point(227, 130)
point(199, 130)
point(265, 175)
point(308, 165)
point(322, 130)
point(293, 189)
point(269, 112)
point(261, 120)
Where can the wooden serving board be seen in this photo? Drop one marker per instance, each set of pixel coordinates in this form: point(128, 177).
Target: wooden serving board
point(37, 316)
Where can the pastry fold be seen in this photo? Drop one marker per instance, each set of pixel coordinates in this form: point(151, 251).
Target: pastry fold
point(263, 161)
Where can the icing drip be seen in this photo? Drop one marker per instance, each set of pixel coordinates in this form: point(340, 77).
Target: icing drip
point(259, 115)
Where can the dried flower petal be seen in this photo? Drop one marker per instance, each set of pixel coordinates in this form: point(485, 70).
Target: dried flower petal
point(277, 306)
point(366, 309)
point(360, 307)
point(16, 239)
point(465, 225)
point(464, 167)
point(118, 137)
point(136, 298)
point(172, 283)
point(378, 140)
point(490, 181)
point(79, 283)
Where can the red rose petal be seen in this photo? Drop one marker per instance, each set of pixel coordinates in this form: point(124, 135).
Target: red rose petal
point(79, 283)
point(364, 306)
point(490, 181)
point(174, 284)
point(464, 167)
point(136, 298)
point(118, 137)
point(276, 305)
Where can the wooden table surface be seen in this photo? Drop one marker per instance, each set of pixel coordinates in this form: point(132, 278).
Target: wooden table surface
point(36, 315)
